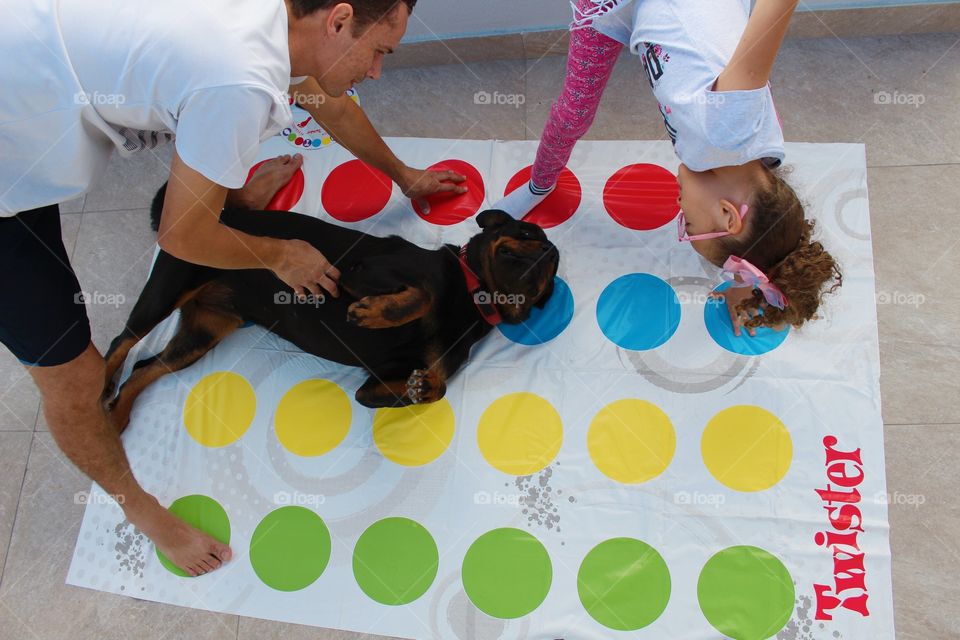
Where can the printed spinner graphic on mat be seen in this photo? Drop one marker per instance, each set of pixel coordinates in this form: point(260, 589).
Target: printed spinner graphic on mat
point(516, 544)
point(305, 133)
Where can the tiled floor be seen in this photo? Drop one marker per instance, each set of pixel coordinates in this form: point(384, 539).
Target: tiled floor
point(826, 93)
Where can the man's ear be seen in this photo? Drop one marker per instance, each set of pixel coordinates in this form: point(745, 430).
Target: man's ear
point(731, 216)
point(493, 218)
point(339, 18)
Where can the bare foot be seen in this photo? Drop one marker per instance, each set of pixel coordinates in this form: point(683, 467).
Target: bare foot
point(190, 549)
point(269, 178)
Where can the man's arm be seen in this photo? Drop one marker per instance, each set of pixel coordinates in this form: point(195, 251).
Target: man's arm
point(348, 125)
point(190, 229)
point(752, 61)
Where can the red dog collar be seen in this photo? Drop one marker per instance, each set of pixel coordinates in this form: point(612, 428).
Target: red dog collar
point(481, 298)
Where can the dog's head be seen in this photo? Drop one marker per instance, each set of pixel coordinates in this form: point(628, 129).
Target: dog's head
point(517, 264)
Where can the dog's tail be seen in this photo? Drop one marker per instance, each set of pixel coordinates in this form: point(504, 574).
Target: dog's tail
point(156, 207)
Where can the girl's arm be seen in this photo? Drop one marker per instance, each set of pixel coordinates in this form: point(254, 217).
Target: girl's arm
point(752, 61)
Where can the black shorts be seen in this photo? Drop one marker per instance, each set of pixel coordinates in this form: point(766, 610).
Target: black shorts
point(43, 319)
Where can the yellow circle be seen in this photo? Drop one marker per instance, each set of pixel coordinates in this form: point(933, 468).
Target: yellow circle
point(415, 435)
point(313, 417)
point(747, 448)
point(631, 441)
point(520, 434)
point(219, 409)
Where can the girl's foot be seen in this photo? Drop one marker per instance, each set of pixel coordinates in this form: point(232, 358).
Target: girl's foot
point(522, 201)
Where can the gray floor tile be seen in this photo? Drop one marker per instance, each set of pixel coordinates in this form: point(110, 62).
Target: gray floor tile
point(35, 602)
point(916, 262)
point(112, 259)
point(19, 398)
point(447, 101)
point(130, 183)
point(253, 629)
point(870, 90)
point(922, 476)
point(14, 448)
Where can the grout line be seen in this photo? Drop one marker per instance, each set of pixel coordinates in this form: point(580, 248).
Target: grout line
point(908, 166)
point(16, 511)
point(144, 207)
point(921, 424)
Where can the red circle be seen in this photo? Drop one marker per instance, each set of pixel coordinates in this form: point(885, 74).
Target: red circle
point(450, 208)
point(288, 195)
point(642, 196)
point(355, 191)
point(557, 207)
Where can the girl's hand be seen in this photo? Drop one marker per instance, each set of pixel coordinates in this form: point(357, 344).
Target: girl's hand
point(733, 296)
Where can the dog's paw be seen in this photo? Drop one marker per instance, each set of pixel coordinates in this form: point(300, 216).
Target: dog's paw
point(368, 314)
point(425, 386)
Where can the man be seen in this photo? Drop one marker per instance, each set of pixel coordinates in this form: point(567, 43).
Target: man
point(81, 79)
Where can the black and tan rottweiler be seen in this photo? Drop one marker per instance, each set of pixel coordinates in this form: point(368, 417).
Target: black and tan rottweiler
point(406, 314)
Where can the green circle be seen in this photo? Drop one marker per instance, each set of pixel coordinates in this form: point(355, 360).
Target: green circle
point(624, 584)
point(290, 548)
point(202, 513)
point(746, 593)
point(507, 573)
point(395, 561)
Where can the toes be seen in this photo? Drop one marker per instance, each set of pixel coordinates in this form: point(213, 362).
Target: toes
point(222, 552)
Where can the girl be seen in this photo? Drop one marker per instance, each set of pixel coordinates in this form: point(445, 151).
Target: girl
point(708, 64)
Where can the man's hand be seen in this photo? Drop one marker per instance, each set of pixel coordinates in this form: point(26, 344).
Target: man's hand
point(305, 269)
point(417, 184)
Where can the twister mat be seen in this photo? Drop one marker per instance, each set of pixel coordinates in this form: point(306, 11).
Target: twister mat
point(619, 467)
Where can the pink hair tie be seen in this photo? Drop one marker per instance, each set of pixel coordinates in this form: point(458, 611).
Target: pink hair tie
point(740, 273)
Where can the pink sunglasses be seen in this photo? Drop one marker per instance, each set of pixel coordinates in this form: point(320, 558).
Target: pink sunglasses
point(682, 228)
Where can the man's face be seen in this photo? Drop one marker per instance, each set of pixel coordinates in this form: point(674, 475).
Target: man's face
point(347, 55)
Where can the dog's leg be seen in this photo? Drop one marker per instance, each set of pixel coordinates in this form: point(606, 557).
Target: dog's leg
point(421, 386)
point(200, 330)
point(141, 322)
point(171, 284)
point(389, 310)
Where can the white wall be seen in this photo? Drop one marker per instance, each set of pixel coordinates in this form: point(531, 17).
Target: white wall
point(460, 18)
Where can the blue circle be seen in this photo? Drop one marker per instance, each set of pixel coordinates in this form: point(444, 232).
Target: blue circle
point(638, 311)
point(717, 319)
point(545, 324)
point(317, 142)
point(307, 142)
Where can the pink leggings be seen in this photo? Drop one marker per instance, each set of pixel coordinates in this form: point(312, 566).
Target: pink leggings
point(589, 65)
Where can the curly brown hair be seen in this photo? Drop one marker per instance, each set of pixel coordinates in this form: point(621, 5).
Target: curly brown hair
point(366, 12)
point(778, 239)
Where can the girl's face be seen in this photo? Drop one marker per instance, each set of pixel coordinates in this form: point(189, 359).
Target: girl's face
point(704, 200)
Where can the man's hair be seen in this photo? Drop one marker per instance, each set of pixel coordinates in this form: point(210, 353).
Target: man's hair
point(365, 12)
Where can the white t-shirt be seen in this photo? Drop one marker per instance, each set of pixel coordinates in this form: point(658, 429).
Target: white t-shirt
point(81, 78)
point(684, 45)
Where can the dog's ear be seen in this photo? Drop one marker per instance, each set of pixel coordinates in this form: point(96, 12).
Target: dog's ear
point(493, 218)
